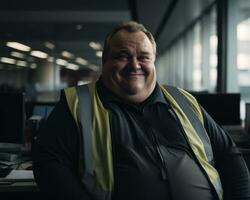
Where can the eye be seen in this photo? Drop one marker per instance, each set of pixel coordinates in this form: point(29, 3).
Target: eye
point(122, 56)
point(144, 58)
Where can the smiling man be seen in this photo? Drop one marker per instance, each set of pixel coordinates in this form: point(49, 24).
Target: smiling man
point(126, 137)
point(128, 65)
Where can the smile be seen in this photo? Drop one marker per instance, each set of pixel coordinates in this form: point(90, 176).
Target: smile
point(133, 74)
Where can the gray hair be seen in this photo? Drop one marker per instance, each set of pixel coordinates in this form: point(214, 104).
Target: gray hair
point(130, 26)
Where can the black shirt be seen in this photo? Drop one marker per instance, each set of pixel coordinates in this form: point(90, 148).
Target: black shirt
point(152, 159)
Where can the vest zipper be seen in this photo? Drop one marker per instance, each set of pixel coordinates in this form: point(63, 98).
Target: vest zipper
point(163, 163)
point(163, 166)
point(156, 146)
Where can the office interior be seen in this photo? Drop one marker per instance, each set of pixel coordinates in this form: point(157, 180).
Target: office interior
point(203, 46)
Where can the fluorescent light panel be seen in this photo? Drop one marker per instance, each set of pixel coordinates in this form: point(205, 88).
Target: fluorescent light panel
point(93, 67)
point(39, 54)
point(72, 66)
point(95, 45)
point(33, 65)
point(17, 54)
point(50, 59)
point(81, 61)
point(67, 54)
point(18, 46)
point(8, 60)
point(61, 62)
point(21, 63)
point(98, 54)
point(49, 45)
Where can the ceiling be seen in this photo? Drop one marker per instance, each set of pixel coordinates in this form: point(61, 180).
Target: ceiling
point(71, 25)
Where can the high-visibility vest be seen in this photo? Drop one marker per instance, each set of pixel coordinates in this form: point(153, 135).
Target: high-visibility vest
point(95, 157)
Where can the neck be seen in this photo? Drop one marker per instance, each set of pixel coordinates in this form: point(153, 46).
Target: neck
point(137, 98)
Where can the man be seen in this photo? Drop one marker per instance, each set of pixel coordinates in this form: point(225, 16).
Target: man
point(127, 137)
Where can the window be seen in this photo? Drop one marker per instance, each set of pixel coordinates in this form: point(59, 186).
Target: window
point(191, 61)
point(238, 63)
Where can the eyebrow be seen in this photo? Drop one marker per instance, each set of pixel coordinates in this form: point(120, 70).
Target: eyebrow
point(124, 50)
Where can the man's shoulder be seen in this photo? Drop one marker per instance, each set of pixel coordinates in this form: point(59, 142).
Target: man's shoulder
point(179, 90)
point(72, 91)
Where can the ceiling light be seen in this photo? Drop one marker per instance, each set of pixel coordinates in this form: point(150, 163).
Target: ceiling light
point(21, 63)
point(61, 62)
point(93, 67)
point(50, 59)
point(18, 46)
point(95, 45)
point(72, 66)
point(17, 54)
point(39, 54)
point(81, 61)
point(98, 54)
point(8, 60)
point(49, 45)
point(33, 65)
point(67, 54)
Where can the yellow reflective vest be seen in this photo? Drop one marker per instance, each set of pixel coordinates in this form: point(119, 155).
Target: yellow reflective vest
point(95, 158)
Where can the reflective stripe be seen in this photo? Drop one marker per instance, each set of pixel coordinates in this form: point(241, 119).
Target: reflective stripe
point(96, 141)
point(96, 153)
point(194, 120)
point(217, 184)
point(102, 144)
point(195, 133)
point(85, 115)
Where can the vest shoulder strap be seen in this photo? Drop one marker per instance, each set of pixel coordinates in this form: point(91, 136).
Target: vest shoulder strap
point(195, 121)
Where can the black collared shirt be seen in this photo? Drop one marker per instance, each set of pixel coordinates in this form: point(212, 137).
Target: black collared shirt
point(152, 157)
point(152, 160)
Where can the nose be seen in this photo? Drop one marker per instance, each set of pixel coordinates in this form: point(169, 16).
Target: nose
point(134, 63)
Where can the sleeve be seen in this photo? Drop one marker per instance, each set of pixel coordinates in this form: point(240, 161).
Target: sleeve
point(229, 162)
point(55, 156)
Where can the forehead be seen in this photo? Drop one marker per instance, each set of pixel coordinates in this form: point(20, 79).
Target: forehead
point(125, 39)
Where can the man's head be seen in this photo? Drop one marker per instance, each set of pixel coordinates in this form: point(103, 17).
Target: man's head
point(128, 62)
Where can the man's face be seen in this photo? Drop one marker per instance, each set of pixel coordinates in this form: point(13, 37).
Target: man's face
point(129, 69)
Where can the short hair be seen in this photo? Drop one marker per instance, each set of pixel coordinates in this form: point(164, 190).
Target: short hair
point(130, 26)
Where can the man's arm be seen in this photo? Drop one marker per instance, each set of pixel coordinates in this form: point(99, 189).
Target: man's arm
point(228, 161)
point(55, 156)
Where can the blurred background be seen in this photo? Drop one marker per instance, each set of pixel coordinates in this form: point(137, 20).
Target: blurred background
point(203, 45)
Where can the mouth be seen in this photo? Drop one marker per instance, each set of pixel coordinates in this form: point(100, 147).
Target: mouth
point(134, 74)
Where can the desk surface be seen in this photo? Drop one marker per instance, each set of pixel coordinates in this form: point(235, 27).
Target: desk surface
point(19, 186)
point(18, 181)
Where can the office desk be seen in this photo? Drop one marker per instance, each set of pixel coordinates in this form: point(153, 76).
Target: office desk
point(13, 190)
point(18, 186)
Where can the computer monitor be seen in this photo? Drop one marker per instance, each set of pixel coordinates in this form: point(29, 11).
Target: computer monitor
point(12, 117)
point(42, 109)
point(224, 108)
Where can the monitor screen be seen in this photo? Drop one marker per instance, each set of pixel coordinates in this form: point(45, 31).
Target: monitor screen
point(224, 108)
point(42, 109)
point(12, 117)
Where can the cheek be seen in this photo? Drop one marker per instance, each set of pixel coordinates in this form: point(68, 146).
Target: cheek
point(113, 67)
point(148, 69)
point(110, 70)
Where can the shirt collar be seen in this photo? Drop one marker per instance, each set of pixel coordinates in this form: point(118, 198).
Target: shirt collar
point(107, 96)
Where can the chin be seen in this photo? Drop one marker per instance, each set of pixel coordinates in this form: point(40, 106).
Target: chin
point(133, 90)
